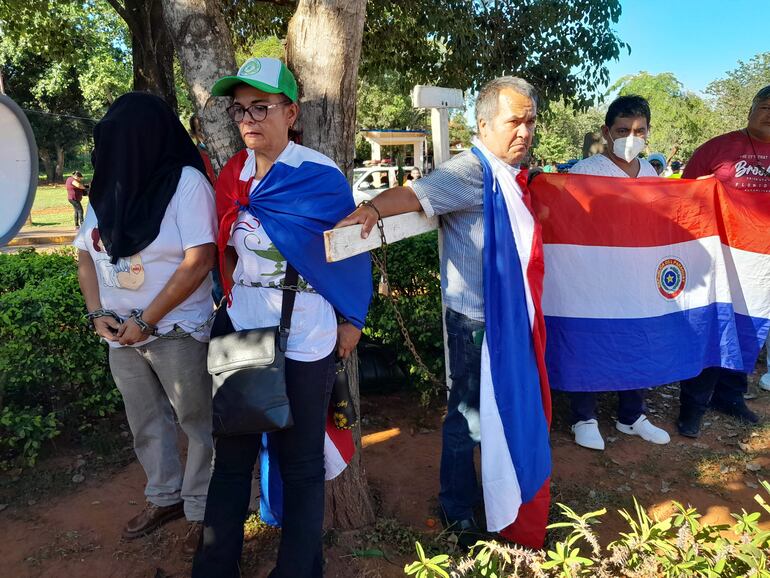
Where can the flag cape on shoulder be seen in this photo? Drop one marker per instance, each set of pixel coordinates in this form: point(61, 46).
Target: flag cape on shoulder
point(515, 410)
point(651, 280)
point(302, 195)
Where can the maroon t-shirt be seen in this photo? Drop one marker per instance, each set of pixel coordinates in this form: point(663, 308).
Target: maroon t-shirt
point(73, 193)
point(731, 159)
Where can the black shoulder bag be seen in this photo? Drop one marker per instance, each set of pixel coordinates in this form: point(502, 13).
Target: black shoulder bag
point(248, 370)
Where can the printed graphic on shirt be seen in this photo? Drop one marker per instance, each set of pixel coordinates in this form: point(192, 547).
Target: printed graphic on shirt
point(752, 172)
point(127, 273)
point(253, 238)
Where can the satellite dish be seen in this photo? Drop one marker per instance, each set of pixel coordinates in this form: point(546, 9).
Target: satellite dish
point(18, 168)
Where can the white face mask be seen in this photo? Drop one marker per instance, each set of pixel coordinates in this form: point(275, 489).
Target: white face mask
point(628, 148)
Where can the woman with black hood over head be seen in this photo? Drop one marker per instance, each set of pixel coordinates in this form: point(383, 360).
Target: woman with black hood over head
point(145, 251)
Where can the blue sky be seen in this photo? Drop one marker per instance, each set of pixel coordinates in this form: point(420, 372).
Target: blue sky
point(697, 40)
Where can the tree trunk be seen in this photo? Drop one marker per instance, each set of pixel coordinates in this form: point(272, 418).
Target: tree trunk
point(327, 77)
point(348, 503)
point(59, 170)
point(151, 48)
point(328, 83)
point(50, 173)
point(205, 50)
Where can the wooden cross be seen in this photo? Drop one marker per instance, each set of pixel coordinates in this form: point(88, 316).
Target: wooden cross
point(346, 242)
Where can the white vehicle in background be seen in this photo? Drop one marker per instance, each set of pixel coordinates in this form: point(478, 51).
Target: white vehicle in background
point(368, 182)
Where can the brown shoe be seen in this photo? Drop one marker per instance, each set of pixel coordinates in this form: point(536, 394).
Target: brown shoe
point(150, 518)
point(192, 539)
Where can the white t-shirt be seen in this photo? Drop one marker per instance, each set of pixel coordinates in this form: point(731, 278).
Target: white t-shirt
point(601, 166)
point(134, 282)
point(313, 333)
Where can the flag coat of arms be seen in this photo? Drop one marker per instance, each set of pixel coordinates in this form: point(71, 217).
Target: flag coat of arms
point(649, 281)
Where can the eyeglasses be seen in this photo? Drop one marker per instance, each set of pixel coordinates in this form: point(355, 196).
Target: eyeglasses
point(257, 112)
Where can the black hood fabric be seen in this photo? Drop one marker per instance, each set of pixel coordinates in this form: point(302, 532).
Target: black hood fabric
point(140, 148)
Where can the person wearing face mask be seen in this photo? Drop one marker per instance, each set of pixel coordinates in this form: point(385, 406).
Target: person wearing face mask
point(626, 126)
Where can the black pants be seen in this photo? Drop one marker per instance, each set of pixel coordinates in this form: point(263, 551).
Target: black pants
point(300, 451)
point(723, 386)
point(630, 405)
point(78, 211)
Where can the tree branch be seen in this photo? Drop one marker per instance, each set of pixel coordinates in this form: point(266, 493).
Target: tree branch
point(121, 10)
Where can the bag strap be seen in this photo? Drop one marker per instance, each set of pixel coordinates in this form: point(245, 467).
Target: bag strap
point(287, 306)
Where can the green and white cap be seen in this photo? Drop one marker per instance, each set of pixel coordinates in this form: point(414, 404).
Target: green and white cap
point(266, 74)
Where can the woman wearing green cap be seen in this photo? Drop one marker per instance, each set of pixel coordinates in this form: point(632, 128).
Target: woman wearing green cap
point(274, 200)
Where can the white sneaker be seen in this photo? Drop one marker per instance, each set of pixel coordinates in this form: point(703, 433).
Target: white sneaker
point(764, 382)
point(587, 434)
point(644, 429)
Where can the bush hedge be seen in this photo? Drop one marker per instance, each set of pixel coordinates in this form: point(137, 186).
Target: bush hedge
point(54, 374)
point(414, 275)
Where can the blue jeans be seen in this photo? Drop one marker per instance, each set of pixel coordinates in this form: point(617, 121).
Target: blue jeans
point(461, 430)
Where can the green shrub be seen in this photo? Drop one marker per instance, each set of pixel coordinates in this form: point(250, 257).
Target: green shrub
point(29, 267)
point(23, 433)
point(413, 272)
point(677, 546)
point(49, 359)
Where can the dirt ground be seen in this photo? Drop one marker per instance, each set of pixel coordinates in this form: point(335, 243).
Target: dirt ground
point(71, 527)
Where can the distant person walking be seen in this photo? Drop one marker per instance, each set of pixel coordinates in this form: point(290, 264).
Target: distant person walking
point(75, 191)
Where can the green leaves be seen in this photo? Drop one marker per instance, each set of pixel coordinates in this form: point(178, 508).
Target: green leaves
point(425, 567)
point(733, 93)
point(53, 369)
point(413, 271)
point(679, 546)
point(561, 47)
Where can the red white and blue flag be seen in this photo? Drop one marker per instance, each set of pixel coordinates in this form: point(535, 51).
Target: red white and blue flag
point(649, 281)
point(515, 409)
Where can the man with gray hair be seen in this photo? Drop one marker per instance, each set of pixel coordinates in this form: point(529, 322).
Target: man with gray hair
point(506, 111)
point(740, 160)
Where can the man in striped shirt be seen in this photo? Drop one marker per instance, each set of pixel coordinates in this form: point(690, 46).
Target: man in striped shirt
point(506, 111)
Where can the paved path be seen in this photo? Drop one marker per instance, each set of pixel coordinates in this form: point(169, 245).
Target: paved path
point(41, 237)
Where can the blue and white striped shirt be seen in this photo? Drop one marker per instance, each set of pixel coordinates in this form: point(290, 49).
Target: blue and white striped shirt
point(455, 191)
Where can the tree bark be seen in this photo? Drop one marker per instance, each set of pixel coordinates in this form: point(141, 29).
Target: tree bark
point(152, 50)
point(45, 156)
point(205, 50)
point(327, 76)
point(59, 169)
point(328, 81)
point(348, 502)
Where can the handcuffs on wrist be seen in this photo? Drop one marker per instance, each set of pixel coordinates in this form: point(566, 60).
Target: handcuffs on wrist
point(147, 328)
point(101, 313)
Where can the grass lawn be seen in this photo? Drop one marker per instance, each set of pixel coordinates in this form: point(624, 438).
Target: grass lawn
point(51, 208)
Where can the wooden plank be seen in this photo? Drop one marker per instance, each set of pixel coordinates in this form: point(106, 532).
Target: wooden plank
point(347, 242)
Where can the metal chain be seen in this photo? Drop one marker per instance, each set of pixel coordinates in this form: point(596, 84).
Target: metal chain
point(382, 265)
point(182, 334)
point(175, 333)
